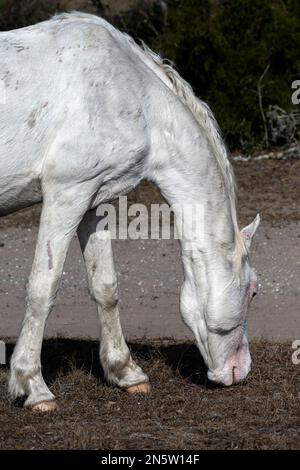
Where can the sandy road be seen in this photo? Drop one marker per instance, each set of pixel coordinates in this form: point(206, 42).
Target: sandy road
point(149, 280)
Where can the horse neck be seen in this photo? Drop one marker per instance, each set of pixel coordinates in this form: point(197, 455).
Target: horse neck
point(191, 174)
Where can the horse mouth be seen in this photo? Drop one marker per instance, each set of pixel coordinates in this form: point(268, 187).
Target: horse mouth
point(235, 369)
point(226, 379)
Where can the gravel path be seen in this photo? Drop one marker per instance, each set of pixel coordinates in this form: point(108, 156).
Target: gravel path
point(149, 278)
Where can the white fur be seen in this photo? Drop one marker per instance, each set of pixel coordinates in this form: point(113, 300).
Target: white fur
point(118, 365)
point(87, 115)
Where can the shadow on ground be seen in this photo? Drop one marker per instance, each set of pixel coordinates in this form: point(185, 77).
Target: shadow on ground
point(60, 356)
point(182, 411)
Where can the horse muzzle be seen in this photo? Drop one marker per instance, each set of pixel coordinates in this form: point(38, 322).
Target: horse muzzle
point(235, 369)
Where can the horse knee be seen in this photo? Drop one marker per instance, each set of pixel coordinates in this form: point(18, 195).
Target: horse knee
point(106, 294)
point(40, 295)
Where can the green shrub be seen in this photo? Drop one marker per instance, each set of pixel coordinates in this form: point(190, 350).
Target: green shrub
point(18, 13)
point(222, 47)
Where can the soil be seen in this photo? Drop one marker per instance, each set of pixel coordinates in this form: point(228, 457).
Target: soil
point(182, 411)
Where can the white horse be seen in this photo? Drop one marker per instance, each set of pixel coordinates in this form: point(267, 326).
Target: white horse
point(86, 114)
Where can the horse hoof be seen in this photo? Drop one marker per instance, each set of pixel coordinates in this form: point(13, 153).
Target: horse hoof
point(45, 406)
point(140, 388)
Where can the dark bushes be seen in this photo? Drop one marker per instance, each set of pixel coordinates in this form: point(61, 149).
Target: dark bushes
point(222, 47)
point(19, 13)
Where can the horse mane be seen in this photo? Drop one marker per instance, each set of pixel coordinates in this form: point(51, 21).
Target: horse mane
point(205, 118)
point(200, 110)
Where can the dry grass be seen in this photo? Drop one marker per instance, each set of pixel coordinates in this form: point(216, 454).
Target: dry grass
point(183, 410)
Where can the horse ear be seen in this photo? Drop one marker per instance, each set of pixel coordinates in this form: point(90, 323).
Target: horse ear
point(248, 232)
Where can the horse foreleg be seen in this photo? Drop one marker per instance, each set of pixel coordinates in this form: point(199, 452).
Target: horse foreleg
point(116, 360)
point(59, 220)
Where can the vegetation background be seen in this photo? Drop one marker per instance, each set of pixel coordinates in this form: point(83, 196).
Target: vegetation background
point(241, 56)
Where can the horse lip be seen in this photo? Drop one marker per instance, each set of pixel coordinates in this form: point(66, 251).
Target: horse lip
point(226, 378)
point(217, 377)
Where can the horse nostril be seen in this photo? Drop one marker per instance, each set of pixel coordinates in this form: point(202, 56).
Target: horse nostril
point(254, 294)
point(234, 367)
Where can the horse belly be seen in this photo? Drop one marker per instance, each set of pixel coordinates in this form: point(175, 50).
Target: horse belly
point(20, 164)
point(18, 193)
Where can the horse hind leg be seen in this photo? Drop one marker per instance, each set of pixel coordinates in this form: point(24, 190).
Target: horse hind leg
point(118, 365)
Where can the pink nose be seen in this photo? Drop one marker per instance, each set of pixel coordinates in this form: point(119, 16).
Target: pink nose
point(235, 369)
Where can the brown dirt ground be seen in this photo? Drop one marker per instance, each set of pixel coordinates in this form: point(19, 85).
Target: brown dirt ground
point(183, 411)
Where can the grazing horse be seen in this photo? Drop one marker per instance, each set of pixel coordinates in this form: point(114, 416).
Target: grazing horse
point(86, 115)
